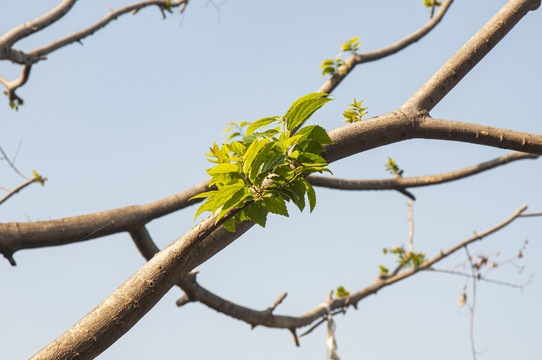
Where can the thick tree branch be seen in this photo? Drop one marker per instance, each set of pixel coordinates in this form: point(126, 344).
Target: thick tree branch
point(348, 140)
point(133, 299)
point(398, 126)
point(354, 60)
point(400, 183)
point(16, 236)
point(469, 55)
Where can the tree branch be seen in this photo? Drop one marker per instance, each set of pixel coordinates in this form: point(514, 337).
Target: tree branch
point(11, 86)
point(398, 126)
point(469, 55)
point(354, 60)
point(24, 30)
point(400, 183)
point(16, 236)
point(255, 317)
point(32, 57)
point(17, 189)
point(113, 15)
point(132, 300)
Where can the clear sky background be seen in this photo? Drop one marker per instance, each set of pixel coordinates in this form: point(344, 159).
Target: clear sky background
point(125, 119)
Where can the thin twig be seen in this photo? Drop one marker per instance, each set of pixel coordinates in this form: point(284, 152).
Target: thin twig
point(497, 282)
point(12, 165)
point(473, 305)
point(277, 302)
point(397, 183)
point(532, 214)
point(411, 227)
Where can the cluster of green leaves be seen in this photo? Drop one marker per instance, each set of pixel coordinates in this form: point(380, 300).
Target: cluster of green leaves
point(429, 3)
point(14, 104)
point(341, 292)
point(355, 113)
point(405, 259)
point(267, 168)
point(331, 66)
point(392, 167)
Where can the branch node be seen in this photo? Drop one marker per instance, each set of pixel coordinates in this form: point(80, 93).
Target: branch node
point(276, 303)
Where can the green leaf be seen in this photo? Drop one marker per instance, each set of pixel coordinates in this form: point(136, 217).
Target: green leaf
point(230, 225)
point(226, 192)
point(237, 148)
point(326, 63)
point(204, 194)
point(235, 199)
point(303, 108)
point(303, 103)
point(276, 205)
point(315, 132)
point(309, 146)
point(232, 135)
point(255, 170)
point(206, 206)
point(298, 191)
point(251, 153)
point(223, 168)
point(311, 194)
point(270, 163)
point(256, 213)
point(260, 124)
point(328, 70)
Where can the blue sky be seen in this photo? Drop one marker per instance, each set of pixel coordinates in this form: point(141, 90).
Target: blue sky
point(125, 119)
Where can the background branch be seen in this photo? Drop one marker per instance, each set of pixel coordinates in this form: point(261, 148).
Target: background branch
point(398, 183)
point(357, 59)
point(263, 317)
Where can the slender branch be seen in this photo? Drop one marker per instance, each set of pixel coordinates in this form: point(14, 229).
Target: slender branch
point(12, 163)
point(497, 282)
point(354, 60)
point(113, 15)
point(411, 227)
point(16, 190)
point(473, 304)
point(32, 57)
point(400, 183)
point(11, 86)
point(532, 214)
point(255, 317)
point(24, 30)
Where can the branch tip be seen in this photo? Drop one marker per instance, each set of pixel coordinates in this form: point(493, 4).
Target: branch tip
point(294, 334)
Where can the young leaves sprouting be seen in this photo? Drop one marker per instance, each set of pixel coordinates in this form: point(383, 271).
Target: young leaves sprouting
point(331, 66)
point(355, 113)
point(392, 167)
point(267, 168)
